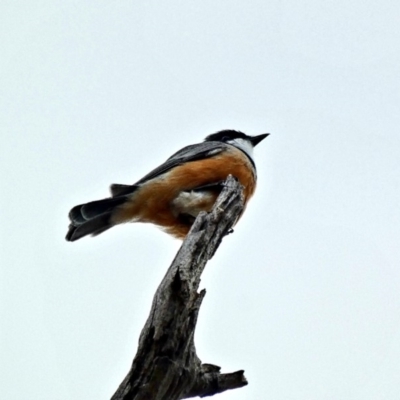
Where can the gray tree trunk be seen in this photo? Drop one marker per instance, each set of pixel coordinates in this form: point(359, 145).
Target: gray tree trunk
point(166, 366)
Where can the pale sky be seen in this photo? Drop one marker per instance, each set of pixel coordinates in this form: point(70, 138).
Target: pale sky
point(304, 296)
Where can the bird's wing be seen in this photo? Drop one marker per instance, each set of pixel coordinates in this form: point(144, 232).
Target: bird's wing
point(187, 154)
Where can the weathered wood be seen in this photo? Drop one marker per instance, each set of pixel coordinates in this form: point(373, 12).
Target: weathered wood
point(166, 366)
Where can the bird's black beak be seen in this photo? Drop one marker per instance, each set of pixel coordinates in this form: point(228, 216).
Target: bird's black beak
point(257, 139)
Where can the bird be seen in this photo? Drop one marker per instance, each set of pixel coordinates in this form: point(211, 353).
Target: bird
point(173, 194)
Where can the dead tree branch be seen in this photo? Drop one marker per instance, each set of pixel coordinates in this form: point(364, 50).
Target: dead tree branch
point(166, 366)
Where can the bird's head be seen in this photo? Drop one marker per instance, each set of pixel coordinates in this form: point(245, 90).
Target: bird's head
point(238, 139)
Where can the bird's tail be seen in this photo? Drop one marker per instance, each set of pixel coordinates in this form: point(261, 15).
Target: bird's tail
point(92, 218)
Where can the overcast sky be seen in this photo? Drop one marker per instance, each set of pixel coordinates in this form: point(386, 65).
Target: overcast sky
point(304, 296)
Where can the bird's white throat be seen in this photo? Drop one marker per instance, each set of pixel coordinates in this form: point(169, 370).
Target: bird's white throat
point(244, 145)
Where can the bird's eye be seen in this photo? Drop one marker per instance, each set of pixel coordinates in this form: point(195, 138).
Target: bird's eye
point(225, 138)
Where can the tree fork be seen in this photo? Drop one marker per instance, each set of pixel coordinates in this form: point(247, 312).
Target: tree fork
point(166, 366)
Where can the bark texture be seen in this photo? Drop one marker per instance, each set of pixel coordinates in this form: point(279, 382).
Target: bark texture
point(166, 366)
